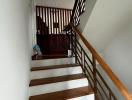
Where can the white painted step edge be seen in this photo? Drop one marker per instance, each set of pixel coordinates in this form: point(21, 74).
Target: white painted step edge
point(55, 72)
point(50, 62)
point(59, 86)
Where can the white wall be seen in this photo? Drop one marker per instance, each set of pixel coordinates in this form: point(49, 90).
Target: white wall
point(108, 19)
point(56, 3)
point(14, 49)
point(118, 55)
point(109, 30)
point(89, 5)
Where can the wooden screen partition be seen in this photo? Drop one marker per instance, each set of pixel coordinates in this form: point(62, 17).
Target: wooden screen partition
point(52, 20)
point(50, 23)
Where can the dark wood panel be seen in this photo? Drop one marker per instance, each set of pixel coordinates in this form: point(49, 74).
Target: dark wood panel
point(51, 20)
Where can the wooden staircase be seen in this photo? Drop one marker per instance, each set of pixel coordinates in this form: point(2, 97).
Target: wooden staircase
point(65, 82)
point(84, 76)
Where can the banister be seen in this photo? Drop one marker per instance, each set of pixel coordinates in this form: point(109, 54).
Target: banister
point(121, 87)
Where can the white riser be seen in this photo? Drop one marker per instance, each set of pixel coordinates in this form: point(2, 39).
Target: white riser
point(50, 62)
point(87, 97)
point(59, 86)
point(55, 72)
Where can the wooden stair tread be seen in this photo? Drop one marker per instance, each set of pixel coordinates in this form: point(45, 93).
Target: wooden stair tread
point(54, 67)
point(63, 95)
point(55, 79)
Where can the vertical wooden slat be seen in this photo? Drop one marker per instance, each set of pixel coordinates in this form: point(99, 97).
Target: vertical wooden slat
point(49, 16)
point(45, 18)
point(48, 19)
point(41, 19)
point(58, 20)
point(50, 22)
point(39, 22)
point(53, 21)
point(42, 13)
point(66, 17)
point(36, 18)
point(70, 14)
point(61, 19)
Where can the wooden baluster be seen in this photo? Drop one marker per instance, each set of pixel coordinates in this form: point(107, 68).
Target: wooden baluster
point(42, 13)
point(68, 16)
point(53, 21)
point(42, 19)
point(65, 17)
point(48, 19)
point(36, 18)
point(45, 19)
point(40, 22)
point(95, 77)
point(61, 19)
point(50, 22)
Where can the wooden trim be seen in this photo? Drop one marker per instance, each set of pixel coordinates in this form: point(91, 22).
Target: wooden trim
point(54, 7)
point(104, 65)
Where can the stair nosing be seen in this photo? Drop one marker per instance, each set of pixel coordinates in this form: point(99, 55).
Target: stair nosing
point(53, 67)
point(43, 81)
point(85, 92)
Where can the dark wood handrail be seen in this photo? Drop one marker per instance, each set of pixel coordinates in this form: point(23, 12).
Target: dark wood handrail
point(123, 90)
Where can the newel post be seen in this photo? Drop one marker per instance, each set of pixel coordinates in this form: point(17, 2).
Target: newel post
point(95, 76)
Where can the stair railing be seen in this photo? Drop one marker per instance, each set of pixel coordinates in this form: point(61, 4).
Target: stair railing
point(92, 63)
point(78, 9)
